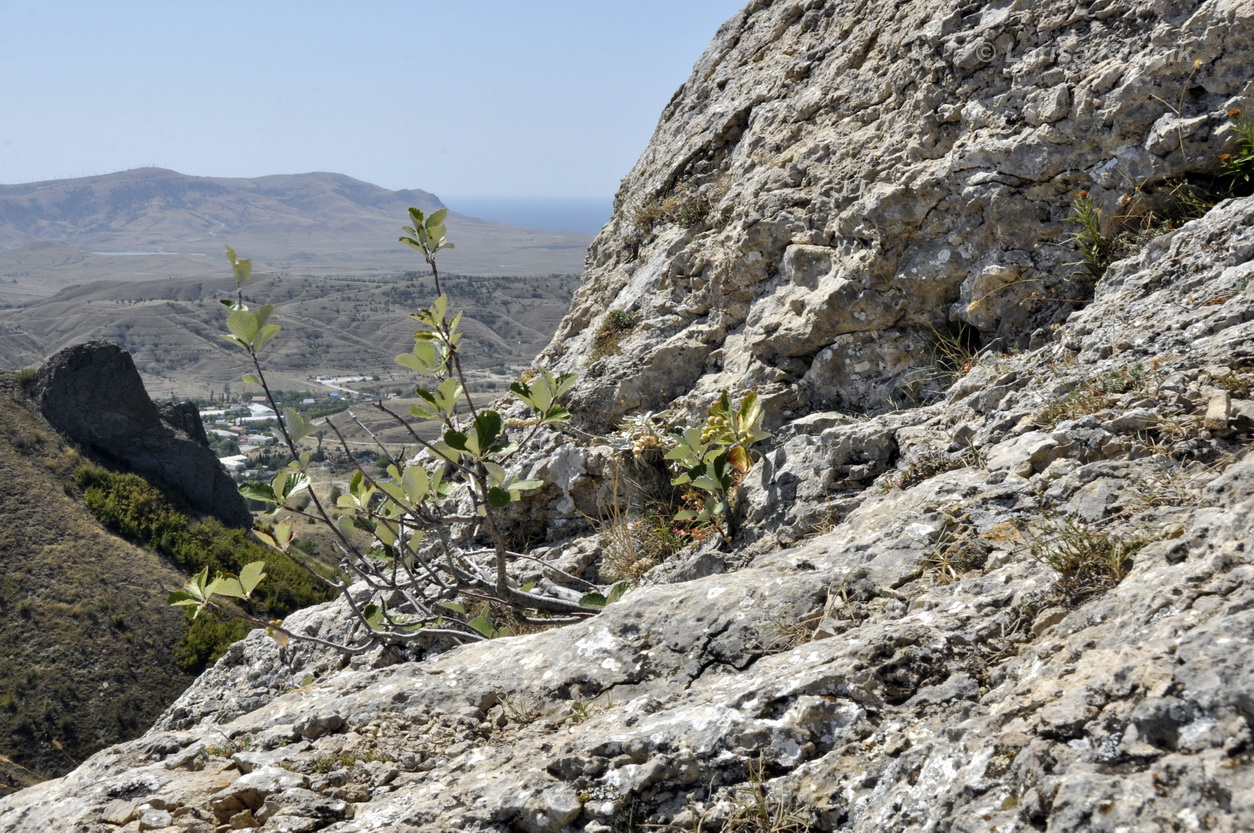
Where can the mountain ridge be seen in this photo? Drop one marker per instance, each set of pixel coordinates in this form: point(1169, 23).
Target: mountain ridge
point(313, 222)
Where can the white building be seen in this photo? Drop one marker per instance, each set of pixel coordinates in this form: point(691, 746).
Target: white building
point(259, 413)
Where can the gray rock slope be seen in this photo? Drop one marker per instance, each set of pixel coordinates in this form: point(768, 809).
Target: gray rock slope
point(905, 636)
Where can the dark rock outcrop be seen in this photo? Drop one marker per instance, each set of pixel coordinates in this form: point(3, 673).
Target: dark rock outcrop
point(92, 393)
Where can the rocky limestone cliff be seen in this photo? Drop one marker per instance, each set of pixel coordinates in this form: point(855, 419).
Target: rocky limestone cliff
point(903, 637)
point(846, 178)
point(92, 393)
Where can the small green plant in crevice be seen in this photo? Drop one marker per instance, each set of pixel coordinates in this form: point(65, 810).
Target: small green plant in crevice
point(955, 352)
point(1088, 561)
point(1237, 165)
point(1079, 402)
point(636, 544)
point(1240, 385)
point(1154, 208)
point(956, 551)
point(712, 459)
point(1096, 248)
point(633, 538)
point(644, 433)
point(786, 634)
point(606, 341)
point(243, 743)
point(1120, 380)
point(1092, 396)
point(582, 709)
point(26, 377)
point(347, 760)
point(518, 709)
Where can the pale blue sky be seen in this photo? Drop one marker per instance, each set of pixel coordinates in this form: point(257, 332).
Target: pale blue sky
point(472, 97)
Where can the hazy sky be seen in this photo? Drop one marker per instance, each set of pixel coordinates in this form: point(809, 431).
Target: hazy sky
point(472, 97)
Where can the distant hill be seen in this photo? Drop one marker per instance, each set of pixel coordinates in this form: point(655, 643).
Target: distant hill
point(154, 208)
point(152, 220)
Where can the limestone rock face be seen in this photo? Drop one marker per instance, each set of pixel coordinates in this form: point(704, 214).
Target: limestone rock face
point(1024, 604)
point(839, 182)
point(92, 393)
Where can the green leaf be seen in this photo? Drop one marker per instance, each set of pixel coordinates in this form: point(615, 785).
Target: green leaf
point(181, 598)
point(385, 534)
point(619, 590)
point(288, 483)
point(417, 483)
point(498, 497)
point(193, 596)
point(249, 327)
point(251, 576)
point(488, 426)
point(453, 606)
point(426, 357)
point(750, 410)
point(243, 269)
point(224, 585)
point(593, 601)
point(263, 337)
point(374, 615)
point(483, 624)
point(449, 392)
point(256, 490)
point(279, 537)
point(298, 425)
point(707, 483)
point(557, 413)
point(422, 411)
point(496, 473)
point(243, 325)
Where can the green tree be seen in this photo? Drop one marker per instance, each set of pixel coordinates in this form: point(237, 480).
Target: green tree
point(438, 549)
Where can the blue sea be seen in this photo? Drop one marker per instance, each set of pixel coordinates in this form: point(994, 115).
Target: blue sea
point(582, 214)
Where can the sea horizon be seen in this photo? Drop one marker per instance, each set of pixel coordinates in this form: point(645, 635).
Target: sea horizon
point(554, 214)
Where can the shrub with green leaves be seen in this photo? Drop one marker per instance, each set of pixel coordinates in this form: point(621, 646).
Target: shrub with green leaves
point(434, 525)
point(713, 458)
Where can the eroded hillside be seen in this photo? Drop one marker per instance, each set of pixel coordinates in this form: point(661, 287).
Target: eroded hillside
point(88, 648)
